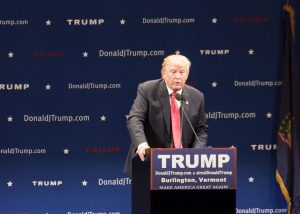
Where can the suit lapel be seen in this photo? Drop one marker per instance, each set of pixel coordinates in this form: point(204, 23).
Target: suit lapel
point(185, 123)
point(165, 104)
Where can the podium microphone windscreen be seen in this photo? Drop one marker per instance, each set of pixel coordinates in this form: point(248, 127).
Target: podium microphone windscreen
point(180, 97)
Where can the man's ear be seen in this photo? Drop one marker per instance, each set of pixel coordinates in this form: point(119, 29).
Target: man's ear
point(162, 73)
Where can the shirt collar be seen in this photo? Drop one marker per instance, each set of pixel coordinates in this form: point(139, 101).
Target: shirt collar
point(170, 91)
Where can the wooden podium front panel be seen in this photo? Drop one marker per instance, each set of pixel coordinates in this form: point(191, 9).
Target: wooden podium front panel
point(146, 201)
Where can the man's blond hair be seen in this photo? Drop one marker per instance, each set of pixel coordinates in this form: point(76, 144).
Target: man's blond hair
point(175, 59)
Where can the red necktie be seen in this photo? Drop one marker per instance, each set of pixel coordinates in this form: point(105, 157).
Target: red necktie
point(175, 116)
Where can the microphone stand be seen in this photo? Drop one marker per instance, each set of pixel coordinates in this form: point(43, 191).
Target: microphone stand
point(182, 100)
point(201, 145)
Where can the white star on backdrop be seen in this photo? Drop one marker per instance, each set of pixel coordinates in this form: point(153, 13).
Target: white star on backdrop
point(177, 52)
point(122, 21)
point(84, 183)
point(269, 115)
point(251, 52)
point(103, 118)
point(48, 87)
point(48, 22)
point(10, 119)
point(66, 151)
point(10, 54)
point(9, 184)
point(251, 179)
point(214, 20)
point(214, 84)
point(85, 54)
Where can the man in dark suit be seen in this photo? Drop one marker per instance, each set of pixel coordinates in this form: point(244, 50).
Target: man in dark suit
point(149, 122)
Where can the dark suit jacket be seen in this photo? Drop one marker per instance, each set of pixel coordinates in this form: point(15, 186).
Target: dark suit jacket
point(150, 119)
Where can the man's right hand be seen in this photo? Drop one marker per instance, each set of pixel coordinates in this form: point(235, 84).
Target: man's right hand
point(141, 150)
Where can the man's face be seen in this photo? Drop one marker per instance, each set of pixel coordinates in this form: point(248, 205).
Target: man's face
point(175, 76)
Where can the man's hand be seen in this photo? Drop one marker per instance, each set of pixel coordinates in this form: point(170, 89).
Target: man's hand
point(141, 151)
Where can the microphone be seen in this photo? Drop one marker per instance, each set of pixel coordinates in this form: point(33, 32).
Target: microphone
point(179, 97)
point(182, 99)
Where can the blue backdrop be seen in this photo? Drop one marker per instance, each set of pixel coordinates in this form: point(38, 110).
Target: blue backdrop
point(69, 71)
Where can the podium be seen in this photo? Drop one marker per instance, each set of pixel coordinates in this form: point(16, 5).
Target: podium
point(194, 180)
